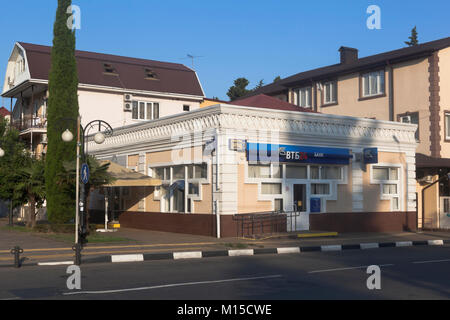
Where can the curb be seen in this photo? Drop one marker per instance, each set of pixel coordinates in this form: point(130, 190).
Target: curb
point(248, 252)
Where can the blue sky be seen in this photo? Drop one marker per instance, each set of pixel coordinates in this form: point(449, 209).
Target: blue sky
point(236, 38)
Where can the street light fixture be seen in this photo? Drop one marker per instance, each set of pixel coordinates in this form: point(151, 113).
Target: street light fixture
point(82, 135)
point(2, 153)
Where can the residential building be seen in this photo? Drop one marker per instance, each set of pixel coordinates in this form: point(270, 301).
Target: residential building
point(4, 113)
point(119, 90)
point(409, 85)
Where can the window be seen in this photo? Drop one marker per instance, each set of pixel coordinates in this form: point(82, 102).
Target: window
point(412, 118)
point(331, 173)
point(271, 188)
point(320, 188)
point(373, 83)
point(278, 205)
point(314, 173)
point(108, 68)
point(265, 171)
point(149, 74)
point(330, 92)
point(193, 189)
point(388, 178)
point(186, 108)
point(296, 172)
point(385, 174)
point(304, 97)
point(145, 110)
point(198, 171)
point(178, 173)
point(447, 126)
point(159, 173)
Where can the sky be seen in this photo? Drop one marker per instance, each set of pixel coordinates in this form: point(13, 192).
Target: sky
point(258, 40)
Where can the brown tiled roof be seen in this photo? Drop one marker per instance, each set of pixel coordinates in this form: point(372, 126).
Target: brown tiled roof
point(267, 102)
point(4, 112)
point(130, 73)
point(361, 64)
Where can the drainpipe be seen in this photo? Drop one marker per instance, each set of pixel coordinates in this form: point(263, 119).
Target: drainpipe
point(391, 92)
point(423, 198)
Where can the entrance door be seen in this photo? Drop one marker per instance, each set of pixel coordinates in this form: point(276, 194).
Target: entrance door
point(444, 217)
point(299, 219)
point(300, 198)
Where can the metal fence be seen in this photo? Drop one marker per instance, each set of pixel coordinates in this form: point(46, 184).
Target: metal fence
point(265, 223)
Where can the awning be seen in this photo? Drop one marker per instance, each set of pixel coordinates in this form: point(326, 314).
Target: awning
point(129, 178)
point(424, 161)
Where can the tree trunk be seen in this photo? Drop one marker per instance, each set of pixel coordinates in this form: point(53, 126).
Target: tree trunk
point(32, 219)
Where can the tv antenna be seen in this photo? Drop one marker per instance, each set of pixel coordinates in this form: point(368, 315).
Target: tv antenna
point(192, 57)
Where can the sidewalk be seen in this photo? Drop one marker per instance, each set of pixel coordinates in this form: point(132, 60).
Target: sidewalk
point(36, 248)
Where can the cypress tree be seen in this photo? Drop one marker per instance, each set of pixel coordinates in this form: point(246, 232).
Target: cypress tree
point(63, 103)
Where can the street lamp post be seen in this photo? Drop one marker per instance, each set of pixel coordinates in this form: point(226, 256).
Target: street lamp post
point(104, 129)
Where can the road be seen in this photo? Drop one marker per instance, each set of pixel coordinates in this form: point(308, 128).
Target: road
point(406, 273)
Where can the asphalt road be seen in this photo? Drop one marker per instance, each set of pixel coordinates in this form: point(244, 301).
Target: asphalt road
point(406, 273)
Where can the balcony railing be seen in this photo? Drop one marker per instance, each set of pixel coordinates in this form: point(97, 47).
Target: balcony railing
point(30, 123)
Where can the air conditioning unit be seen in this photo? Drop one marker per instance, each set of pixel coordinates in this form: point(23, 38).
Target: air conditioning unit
point(127, 97)
point(405, 119)
point(127, 106)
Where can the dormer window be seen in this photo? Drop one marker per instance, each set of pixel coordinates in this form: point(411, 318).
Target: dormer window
point(108, 68)
point(149, 73)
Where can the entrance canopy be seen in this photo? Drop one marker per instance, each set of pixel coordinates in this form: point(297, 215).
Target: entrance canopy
point(129, 178)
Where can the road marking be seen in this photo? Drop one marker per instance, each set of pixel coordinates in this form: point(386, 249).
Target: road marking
point(61, 263)
point(173, 285)
point(331, 248)
point(435, 242)
point(187, 255)
point(350, 268)
point(365, 246)
point(237, 253)
point(432, 261)
point(127, 258)
point(404, 244)
point(288, 250)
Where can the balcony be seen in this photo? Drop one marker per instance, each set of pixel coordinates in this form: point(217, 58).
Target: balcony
point(28, 123)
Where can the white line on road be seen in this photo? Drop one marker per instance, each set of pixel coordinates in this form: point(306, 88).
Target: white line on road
point(432, 261)
point(351, 268)
point(172, 285)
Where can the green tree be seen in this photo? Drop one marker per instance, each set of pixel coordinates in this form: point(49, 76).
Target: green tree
point(98, 177)
point(63, 103)
point(413, 39)
point(259, 85)
point(14, 159)
point(278, 78)
point(30, 185)
point(239, 89)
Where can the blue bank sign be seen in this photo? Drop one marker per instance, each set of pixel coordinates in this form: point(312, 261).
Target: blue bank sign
point(266, 153)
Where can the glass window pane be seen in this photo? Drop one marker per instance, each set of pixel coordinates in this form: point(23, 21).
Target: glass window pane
point(156, 111)
point(142, 111)
point(393, 174)
point(334, 92)
point(193, 189)
point(200, 171)
point(314, 172)
point(296, 172)
point(373, 83)
point(381, 82)
point(332, 173)
point(191, 172)
point(149, 111)
point(178, 173)
point(277, 171)
point(390, 189)
point(395, 204)
point(381, 173)
point(258, 171)
point(278, 205)
point(447, 120)
point(366, 85)
point(158, 173)
point(135, 112)
point(327, 92)
point(321, 188)
point(271, 188)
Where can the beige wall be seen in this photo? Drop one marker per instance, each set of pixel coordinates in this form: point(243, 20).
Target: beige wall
point(349, 104)
point(344, 196)
point(248, 195)
point(444, 83)
point(411, 85)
